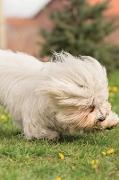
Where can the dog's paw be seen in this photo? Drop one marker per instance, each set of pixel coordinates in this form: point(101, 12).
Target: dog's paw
point(41, 134)
point(111, 121)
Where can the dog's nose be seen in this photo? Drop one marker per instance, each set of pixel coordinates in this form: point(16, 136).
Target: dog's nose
point(102, 118)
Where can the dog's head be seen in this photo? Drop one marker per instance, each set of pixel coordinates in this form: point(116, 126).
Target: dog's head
point(78, 88)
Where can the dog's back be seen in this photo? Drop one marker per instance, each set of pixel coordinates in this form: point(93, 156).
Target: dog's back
point(19, 60)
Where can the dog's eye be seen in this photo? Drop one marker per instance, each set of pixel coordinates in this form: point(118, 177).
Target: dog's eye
point(81, 86)
point(92, 108)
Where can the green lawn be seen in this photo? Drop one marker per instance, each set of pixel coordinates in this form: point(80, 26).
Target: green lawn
point(34, 160)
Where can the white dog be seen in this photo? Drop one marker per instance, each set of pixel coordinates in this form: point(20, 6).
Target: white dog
point(62, 96)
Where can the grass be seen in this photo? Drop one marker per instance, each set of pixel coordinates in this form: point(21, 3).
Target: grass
point(39, 160)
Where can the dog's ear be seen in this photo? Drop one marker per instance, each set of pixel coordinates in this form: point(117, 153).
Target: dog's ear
point(65, 93)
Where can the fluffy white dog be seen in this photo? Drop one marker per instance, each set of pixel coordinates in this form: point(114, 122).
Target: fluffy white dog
point(65, 95)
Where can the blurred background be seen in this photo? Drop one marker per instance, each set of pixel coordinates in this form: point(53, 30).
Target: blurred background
point(37, 27)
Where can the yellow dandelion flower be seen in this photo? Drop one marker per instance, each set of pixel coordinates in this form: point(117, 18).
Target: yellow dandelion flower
point(110, 151)
point(95, 164)
point(95, 161)
point(113, 89)
point(61, 156)
point(3, 118)
point(58, 178)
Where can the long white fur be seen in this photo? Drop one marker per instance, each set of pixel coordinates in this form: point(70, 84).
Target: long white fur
point(54, 97)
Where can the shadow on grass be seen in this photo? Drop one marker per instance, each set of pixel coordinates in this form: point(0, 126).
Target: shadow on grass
point(8, 131)
point(96, 137)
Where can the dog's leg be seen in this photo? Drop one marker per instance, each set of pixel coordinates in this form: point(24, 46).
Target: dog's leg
point(35, 131)
point(34, 125)
point(112, 120)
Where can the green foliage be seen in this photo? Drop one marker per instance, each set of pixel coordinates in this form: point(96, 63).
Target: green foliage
point(81, 29)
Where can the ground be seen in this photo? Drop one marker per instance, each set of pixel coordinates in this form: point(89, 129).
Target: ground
point(86, 157)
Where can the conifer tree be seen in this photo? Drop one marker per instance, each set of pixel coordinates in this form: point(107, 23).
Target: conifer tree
point(81, 29)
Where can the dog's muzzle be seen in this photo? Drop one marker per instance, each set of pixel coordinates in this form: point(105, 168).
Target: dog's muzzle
point(102, 118)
